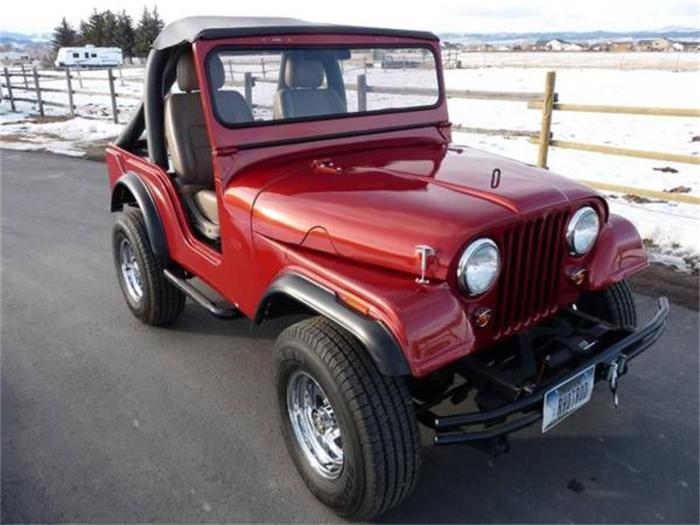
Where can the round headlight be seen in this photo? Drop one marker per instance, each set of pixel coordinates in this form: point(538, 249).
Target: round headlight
point(479, 266)
point(582, 230)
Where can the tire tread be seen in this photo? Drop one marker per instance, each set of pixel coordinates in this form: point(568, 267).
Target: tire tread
point(166, 302)
point(382, 410)
point(615, 304)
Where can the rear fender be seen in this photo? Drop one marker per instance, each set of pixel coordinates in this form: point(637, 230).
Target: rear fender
point(129, 188)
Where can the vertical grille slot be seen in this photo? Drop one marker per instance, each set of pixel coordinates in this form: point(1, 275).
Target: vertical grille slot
point(533, 254)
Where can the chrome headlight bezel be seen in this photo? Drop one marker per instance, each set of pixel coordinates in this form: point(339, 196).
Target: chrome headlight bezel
point(472, 250)
point(573, 228)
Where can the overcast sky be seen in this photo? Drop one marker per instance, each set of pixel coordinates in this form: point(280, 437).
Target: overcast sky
point(434, 15)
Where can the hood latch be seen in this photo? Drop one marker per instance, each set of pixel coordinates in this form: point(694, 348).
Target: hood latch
point(425, 252)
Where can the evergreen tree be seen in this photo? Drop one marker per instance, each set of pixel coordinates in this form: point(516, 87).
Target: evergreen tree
point(110, 29)
point(143, 34)
point(158, 23)
point(84, 33)
point(94, 29)
point(64, 36)
point(149, 27)
point(126, 36)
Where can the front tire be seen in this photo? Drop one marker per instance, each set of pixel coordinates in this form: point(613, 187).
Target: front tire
point(351, 431)
point(615, 305)
point(149, 295)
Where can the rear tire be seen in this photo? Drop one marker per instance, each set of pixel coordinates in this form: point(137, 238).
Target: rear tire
point(371, 413)
point(150, 297)
point(615, 305)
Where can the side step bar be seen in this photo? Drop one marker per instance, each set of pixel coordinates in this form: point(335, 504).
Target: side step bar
point(200, 298)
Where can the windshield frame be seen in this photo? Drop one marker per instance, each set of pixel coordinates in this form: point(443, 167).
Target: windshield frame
point(322, 46)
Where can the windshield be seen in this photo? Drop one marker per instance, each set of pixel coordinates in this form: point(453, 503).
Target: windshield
point(255, 87)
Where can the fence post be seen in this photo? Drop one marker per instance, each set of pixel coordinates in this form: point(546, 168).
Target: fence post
point(262, 64)
point(230, 71)
point(24, 75)
point(113, 95)
point(80, 78)
point(38, 92)
point(361, 93)
point(546, 126)
point(9, 90)
point(248, 88)
point(70, 93)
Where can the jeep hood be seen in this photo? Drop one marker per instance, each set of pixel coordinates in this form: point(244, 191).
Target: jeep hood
point(381, 204)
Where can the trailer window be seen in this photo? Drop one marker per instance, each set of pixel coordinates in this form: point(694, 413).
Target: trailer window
point(320, 83)
point(94, 55)
point(76, 55)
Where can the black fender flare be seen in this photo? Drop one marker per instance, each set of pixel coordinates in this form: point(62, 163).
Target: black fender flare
point(374, 336)
point(135, 186)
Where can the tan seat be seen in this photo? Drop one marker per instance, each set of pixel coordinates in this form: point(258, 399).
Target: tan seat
point(188, 144)
point(304, 95)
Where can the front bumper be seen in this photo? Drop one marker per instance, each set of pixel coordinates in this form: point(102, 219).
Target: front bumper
point(525, 405)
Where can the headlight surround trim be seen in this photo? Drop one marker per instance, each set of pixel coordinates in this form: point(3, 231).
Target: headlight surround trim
point(472, 250)
point(572, 230)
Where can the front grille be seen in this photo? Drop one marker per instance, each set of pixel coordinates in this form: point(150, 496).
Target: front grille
point(532, 252)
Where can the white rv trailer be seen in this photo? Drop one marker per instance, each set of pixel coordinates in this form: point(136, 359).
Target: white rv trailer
point(89, 56)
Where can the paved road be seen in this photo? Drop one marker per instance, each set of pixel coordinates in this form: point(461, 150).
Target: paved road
point(105, 420)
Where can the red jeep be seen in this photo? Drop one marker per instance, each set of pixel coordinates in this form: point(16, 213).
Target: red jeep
point(305, 168)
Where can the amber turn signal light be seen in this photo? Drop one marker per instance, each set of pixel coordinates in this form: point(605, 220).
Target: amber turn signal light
point(355, 303)
point(578, 277)
point(482, 317)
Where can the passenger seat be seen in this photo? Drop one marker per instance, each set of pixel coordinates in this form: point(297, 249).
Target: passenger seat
point(188, 144)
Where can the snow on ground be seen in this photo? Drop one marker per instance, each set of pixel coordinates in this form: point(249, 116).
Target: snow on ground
point(66, 137)
point(669, 229)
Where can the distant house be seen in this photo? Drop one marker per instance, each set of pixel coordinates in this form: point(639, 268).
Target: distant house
point(655, 44)
point(685, 46)
point(562, 45)
point(601, 47)
point(622, 46)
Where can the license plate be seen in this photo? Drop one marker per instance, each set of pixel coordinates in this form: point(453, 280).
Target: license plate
point(567, 397)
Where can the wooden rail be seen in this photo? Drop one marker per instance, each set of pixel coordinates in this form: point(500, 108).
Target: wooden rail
point(44, 102)
point(622, 110)
point(624, 152)
point(640, 192)
point(501, 132)
point(514, 96)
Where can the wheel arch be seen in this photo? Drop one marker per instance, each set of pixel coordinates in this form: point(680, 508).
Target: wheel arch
point(377, 340)
point(130, 189)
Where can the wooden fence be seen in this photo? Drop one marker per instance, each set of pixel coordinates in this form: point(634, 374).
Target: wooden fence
point(545, 139)
point(31, 83)
point(547, 102)
point(549, 105)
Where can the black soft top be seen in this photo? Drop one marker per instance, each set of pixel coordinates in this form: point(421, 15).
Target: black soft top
point(212, 27)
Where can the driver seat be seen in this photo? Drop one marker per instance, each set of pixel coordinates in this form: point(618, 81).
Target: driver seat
point(188, 143)
point(303, 93)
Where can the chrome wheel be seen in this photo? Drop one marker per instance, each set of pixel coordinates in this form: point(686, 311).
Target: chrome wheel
point(131, 274)
point(315, 427)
